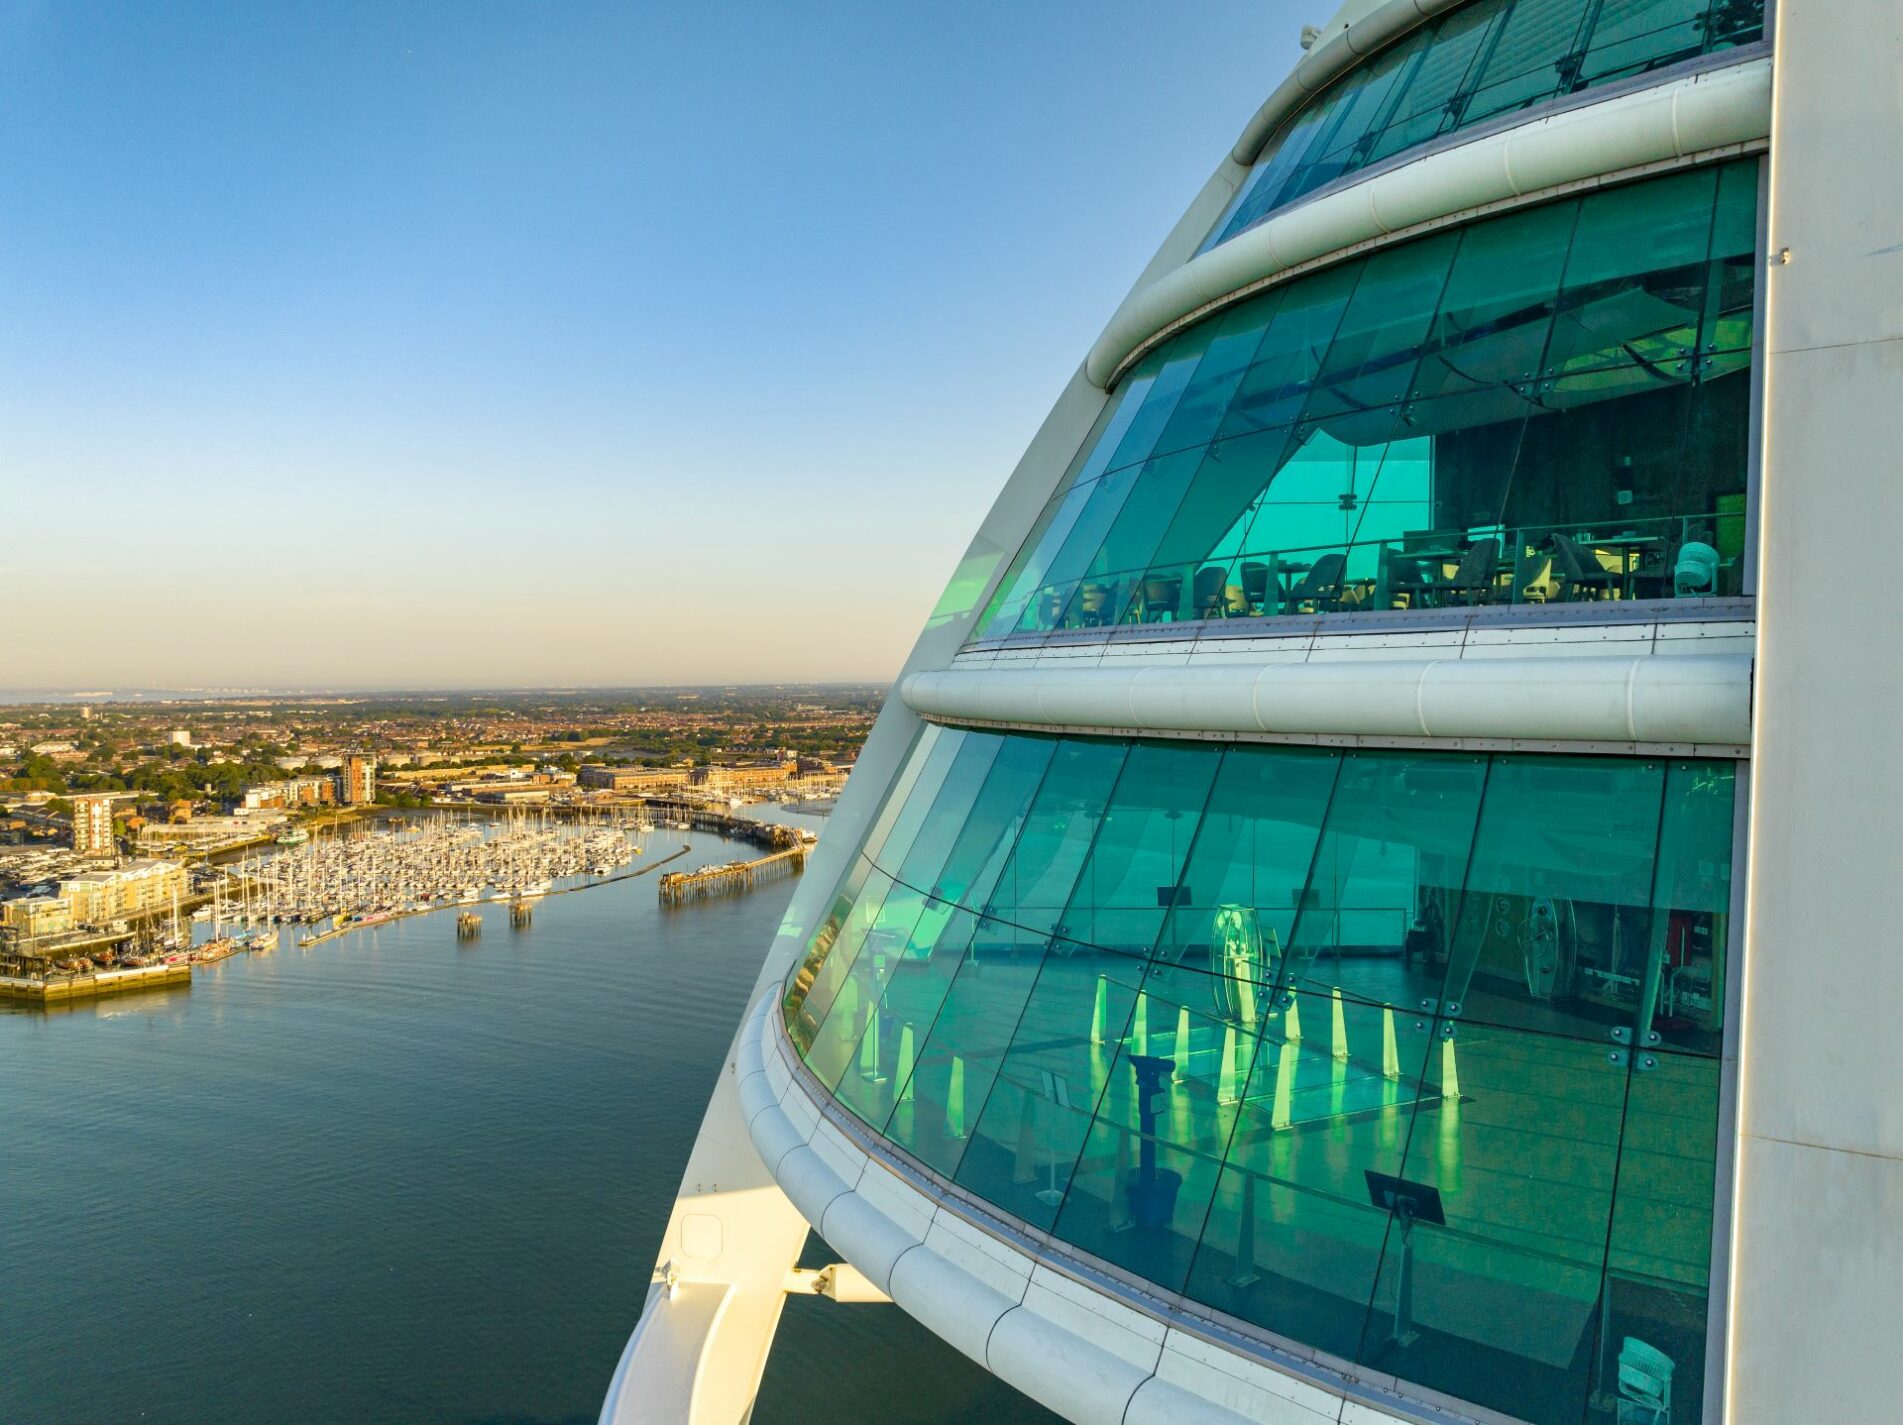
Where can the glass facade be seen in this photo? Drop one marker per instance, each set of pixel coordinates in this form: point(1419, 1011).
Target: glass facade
point(1549, 406)
point(1472, 64)
point(1194, 1008)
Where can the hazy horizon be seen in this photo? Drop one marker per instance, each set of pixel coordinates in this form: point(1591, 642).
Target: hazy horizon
point(355, 345)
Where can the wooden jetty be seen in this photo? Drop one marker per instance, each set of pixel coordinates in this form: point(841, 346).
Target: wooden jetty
point(680, 887)
point(53, 988)
point(468, 925)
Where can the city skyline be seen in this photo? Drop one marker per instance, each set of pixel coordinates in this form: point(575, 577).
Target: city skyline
point(455, 349)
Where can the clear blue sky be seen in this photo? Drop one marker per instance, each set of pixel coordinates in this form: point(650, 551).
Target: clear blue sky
point(376, 344)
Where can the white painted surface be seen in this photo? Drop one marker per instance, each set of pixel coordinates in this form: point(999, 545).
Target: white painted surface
point(1649, 699)
point(1817, 1260)
point(1621, 132)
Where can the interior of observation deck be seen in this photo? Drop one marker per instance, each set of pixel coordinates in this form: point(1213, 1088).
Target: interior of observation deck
point(1547, 407)
point(1171, 1003)
point(1479, 62)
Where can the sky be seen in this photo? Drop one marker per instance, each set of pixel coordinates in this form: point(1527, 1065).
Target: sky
point(505, 344)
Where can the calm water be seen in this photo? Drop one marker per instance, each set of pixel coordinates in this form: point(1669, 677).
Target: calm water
point(391, 1178)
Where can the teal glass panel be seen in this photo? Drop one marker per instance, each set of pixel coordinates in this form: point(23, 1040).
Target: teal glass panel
point(915, 984)
point(1656, 1293)
point(1135, 866)
point(1150, 1163)
point(1680, 995)
point(1024, 1145)
point(948, 812)
point(1034, 885)
point(1501, 1303)
point(1534, 39)
point(1384, 893)
point(854, 1013)
point(1475, 63)
point(1276, 388)
point(835, 946)
point(1629, 35)
point(1555, 924)
point(1291, 1242)
point(1545, 407)
point(1370, 362)
point(970, 1038)
point(892, 839)
point(1028, 572)
point(1234, 909)
point(1430, 103)
point(1182, 1043)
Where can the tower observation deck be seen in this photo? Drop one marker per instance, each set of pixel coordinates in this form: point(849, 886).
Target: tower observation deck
point(1368, 902)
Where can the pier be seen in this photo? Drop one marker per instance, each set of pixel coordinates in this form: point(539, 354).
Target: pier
point(55, 987)
point(701, 817)
point(679, 887)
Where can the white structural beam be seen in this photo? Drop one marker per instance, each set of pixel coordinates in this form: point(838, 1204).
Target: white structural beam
point(1702, 113)
point(1817, 1258)
point(1685, 699)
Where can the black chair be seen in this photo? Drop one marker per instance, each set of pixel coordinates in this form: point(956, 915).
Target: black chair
point(1321, 585)
point(1581, 574)
point(1160, 598)
point(1475, 577)
point(1405, 576)
point(1255, 585)
point(1207, 590)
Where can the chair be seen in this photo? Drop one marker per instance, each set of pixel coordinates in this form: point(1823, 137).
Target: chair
point(1578, 570)
point(1160, 598)
point(1207, 591)
point(1096, 604)
point(1255, 585)
point(1534, 581)
point(1695, 573)
point(1405, 576)
point(1652, 579)
point(1645, 1384)
point(1475, 576)
point(1321, 584)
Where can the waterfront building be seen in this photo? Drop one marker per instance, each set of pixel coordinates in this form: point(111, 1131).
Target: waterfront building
point(1368, 903)
point(357, 780)
point(136, 888)
point(740, 776)
point(26, 917)
point(289, 794)
point(632, 779)
point(92, 825)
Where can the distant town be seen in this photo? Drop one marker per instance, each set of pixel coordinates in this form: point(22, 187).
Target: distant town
point(113, 814)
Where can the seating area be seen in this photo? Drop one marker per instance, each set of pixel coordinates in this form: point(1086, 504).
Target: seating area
point(1676, 558)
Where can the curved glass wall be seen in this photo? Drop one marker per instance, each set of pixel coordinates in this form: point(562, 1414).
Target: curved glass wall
point(1473, 64)
point(1550, 406)
point(1188, 1008)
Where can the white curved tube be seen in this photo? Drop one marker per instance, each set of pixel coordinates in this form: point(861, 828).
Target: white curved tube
point(1689, 116)
point(1677, 699)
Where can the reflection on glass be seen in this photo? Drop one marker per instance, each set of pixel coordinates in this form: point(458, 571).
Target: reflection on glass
point(1546, 407)
point(1482, 60)
point(1173, 1002)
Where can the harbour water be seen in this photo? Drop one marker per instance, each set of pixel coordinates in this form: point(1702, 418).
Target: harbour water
point(395, 1177)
